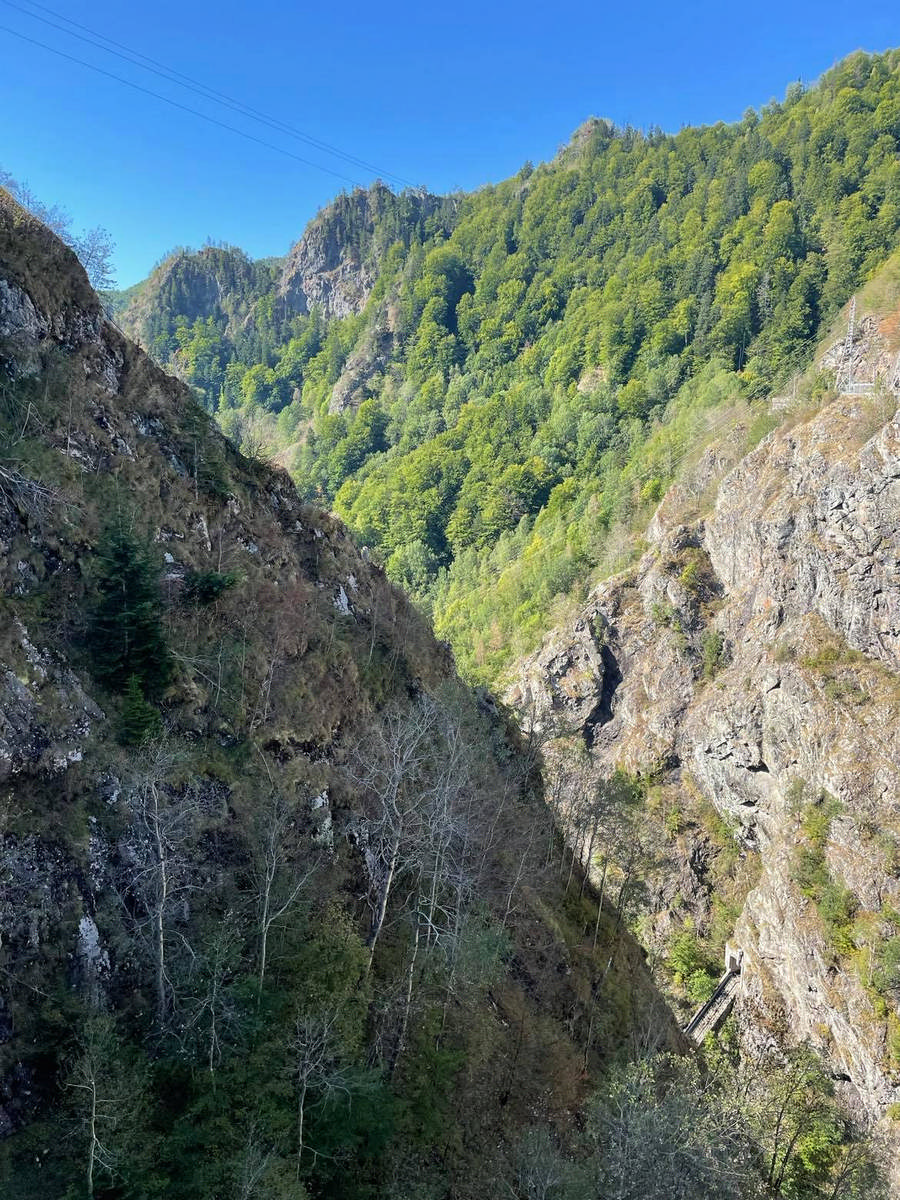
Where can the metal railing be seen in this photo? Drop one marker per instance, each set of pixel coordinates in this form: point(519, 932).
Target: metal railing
point(710, 1015)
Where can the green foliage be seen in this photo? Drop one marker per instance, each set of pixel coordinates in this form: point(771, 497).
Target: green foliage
point(126, 636)
point(663, 1127)
point(204, 587)
point(760, 426)
point(692, 966)
point(690, 578)
point(713, 649)
point(138, 721)
point(536, 360)
point(836, 904)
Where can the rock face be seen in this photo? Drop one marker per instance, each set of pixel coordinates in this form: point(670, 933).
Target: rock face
point(322, 270)
point(335, 264)
point(754, 656)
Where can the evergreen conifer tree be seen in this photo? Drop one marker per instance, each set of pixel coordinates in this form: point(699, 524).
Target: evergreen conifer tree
point(126, 637)
point(139, 720)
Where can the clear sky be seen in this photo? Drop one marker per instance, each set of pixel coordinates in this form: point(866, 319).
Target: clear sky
point(447, 95)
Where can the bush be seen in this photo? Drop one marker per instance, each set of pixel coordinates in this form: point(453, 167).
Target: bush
point(835, 904)
point(713, 646)
point(692, 965)
point(203, 587)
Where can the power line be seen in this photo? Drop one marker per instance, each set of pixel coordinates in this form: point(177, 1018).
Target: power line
point(177, 104)
point(155, 67)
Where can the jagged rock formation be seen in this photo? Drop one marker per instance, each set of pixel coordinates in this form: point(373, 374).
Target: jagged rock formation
point(335, 264)
point(752, 657)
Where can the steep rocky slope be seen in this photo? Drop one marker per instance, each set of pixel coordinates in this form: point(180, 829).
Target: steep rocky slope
point(749, 664)
point(286, 650)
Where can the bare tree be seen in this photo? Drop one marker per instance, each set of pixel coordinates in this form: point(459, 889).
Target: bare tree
point(209, 1013)
point(279, 878)
point(158, 878)
point(95, 248)
point(317, 1068)
point(540, 1170)
point(389, 767)
point(105, 1098)
point(31, 497)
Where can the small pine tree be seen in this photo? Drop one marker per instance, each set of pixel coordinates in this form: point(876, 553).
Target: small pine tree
point(139, 720)
point(126, 636)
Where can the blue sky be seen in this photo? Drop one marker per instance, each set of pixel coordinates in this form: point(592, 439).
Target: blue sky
point(451, 95)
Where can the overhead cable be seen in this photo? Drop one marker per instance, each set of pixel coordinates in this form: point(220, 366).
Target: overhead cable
point(250, 137)
point(155, 67)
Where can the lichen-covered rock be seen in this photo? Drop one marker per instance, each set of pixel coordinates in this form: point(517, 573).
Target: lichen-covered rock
point(45, 714)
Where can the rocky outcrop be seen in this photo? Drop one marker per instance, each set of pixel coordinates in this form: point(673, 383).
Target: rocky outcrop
point(870, 358)
point(370, 357)
point(756, 656)
point(335, 264)
point(217, 282)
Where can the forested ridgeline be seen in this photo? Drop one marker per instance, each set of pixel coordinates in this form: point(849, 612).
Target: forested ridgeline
point(526, 368)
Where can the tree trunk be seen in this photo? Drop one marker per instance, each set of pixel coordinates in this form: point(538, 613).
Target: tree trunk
point(381, 910)
point(404, 1024)
point(93, 1146)
point(600, 901)
point(159, 913)
point(301, 1104)
point(263, 937)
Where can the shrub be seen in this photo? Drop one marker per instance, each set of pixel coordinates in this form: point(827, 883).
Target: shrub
point(886, 972)
point(835, 904)
point(692, 965)
point(690, 578)
point(203, 587)
point(713, 646)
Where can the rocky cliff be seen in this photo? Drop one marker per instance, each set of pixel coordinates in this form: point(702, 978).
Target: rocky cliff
point(335, 264)
point(749, 663)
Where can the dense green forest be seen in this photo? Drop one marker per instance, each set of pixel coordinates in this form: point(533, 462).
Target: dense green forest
point(521, 382)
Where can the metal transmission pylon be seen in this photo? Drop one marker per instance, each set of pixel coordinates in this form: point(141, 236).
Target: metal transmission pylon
point(845, 382)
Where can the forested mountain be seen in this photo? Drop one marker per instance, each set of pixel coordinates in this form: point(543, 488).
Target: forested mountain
point(215, 287)
point(515, 374)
